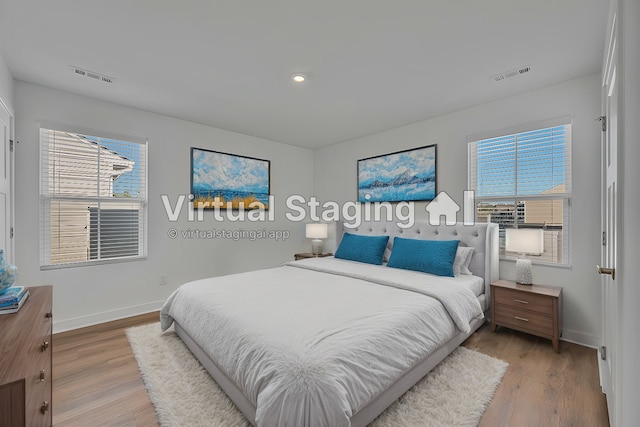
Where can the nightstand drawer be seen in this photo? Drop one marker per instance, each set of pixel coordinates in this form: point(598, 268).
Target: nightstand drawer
point(524, 320)
point(524, 300)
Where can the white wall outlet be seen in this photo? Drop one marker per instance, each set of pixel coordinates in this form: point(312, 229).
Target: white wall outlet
point(163, 279)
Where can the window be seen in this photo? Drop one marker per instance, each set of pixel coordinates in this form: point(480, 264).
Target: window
point(523, 180)
point(93, 199)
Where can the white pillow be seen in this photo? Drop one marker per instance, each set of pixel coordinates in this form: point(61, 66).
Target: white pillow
point(462, 261)
point(464, 268)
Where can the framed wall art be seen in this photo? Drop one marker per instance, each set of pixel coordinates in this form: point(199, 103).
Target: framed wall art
point(408, 175)
point(229, 180)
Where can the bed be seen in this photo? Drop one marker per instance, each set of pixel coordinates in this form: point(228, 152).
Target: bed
point(332, 342)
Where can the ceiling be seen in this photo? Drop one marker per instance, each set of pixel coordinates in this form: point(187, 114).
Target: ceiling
point(371, 65)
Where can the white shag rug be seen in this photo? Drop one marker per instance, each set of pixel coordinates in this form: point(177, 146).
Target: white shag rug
point(455, 393)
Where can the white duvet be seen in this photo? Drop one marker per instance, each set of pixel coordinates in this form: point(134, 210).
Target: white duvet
point(313, 341)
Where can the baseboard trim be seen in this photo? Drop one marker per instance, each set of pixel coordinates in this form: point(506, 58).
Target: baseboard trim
point(103, 317)
point(580, 338)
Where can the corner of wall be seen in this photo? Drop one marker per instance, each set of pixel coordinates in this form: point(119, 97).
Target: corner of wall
point(6, 85)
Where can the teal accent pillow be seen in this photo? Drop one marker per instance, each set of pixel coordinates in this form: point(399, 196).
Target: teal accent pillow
point(428, 256)
point(368, 249)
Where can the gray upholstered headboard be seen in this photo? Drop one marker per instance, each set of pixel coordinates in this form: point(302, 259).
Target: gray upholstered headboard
point(483, 237)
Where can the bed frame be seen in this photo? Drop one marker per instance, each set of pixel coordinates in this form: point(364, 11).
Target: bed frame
point(482, 237)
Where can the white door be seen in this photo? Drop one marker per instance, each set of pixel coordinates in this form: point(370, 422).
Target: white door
point(5, 182)
point(610, 287)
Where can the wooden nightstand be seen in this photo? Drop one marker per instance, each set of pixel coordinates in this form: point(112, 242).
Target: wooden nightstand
point(535, 309)
point(310, 255)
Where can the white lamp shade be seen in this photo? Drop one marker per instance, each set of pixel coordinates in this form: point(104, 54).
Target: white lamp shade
point(524, 240)
point(316, 231)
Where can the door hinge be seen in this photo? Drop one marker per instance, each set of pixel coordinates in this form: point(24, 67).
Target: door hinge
point(11, 233)
point(11, 145)
point(603, 121)
point(604, 238)
point(603, 353)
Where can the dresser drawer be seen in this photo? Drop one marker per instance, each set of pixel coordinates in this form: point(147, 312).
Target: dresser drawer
point(38, 392)
point(25, 359)
point(522, 300)
point(524, 320)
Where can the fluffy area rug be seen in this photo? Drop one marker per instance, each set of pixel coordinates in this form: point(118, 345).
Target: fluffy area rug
point(455, 393)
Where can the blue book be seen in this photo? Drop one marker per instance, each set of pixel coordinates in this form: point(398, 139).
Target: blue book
point(15, 303)
point(12, 295)
point(14, 308)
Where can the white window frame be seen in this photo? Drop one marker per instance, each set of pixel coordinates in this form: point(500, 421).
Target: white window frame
point(565, 197)
point(47, 197)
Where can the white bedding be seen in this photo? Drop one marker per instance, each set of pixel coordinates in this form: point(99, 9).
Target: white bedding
point(474, 283)
point(312, 342)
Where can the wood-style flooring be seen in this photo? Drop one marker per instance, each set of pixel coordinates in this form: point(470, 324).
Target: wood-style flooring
point(96, 381)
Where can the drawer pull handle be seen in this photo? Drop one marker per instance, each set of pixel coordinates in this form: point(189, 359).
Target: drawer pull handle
point(44, 346)
point(42, 375)
point(44, 407)
point(521, 301)
point(522, 318)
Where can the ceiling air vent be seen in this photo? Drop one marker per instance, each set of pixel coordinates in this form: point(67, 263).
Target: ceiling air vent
point(92, 75)
point(512, 73)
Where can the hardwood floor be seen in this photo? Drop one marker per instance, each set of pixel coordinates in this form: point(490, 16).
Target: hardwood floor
point(541, 387)
point(96, 381)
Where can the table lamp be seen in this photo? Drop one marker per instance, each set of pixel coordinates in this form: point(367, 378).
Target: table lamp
point(316, 232)
point(524, 241)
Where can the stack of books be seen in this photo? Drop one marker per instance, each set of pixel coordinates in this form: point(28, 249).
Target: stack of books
point(12, 299)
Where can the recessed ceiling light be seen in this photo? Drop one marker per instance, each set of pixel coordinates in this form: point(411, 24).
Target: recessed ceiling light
point(298, 78)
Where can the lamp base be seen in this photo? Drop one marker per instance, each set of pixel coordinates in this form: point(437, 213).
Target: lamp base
point(316, 247)
point(523, 272)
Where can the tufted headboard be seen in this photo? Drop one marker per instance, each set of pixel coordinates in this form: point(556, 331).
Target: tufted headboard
point(483, 237)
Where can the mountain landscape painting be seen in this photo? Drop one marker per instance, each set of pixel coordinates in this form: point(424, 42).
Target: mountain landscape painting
point(402, 176)
point(228, 180)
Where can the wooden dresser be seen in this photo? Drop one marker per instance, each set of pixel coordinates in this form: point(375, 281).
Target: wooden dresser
point(25, 362)
point(535, 309)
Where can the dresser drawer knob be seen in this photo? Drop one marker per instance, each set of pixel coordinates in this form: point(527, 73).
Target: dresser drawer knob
point(42, 375)
point(522, 318)
point(44, 407)
point(521, 301)
point(44, 346)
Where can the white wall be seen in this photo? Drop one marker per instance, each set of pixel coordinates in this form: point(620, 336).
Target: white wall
point(335, 171)
point(89, 295)
point(630, 227)
point(6, 84)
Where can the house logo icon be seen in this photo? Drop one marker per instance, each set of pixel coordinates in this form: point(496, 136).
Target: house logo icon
point(444, 205)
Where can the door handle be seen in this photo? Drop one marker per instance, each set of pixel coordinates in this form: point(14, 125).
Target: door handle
point(605, 270)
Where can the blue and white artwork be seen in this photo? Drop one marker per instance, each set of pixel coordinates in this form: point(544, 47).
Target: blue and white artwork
point(237, 182)
point(402, 176)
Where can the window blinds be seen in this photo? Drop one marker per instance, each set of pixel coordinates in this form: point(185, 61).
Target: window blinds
point(524, 180)
point(93, 199)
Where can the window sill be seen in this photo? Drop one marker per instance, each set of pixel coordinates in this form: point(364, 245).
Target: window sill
point(538, 262)
point(90, 263)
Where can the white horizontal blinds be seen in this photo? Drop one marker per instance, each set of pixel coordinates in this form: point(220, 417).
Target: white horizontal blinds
point(524, 180)
point(542, 161)
point(93, 198)
point(496, 167)
point(128, 171)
